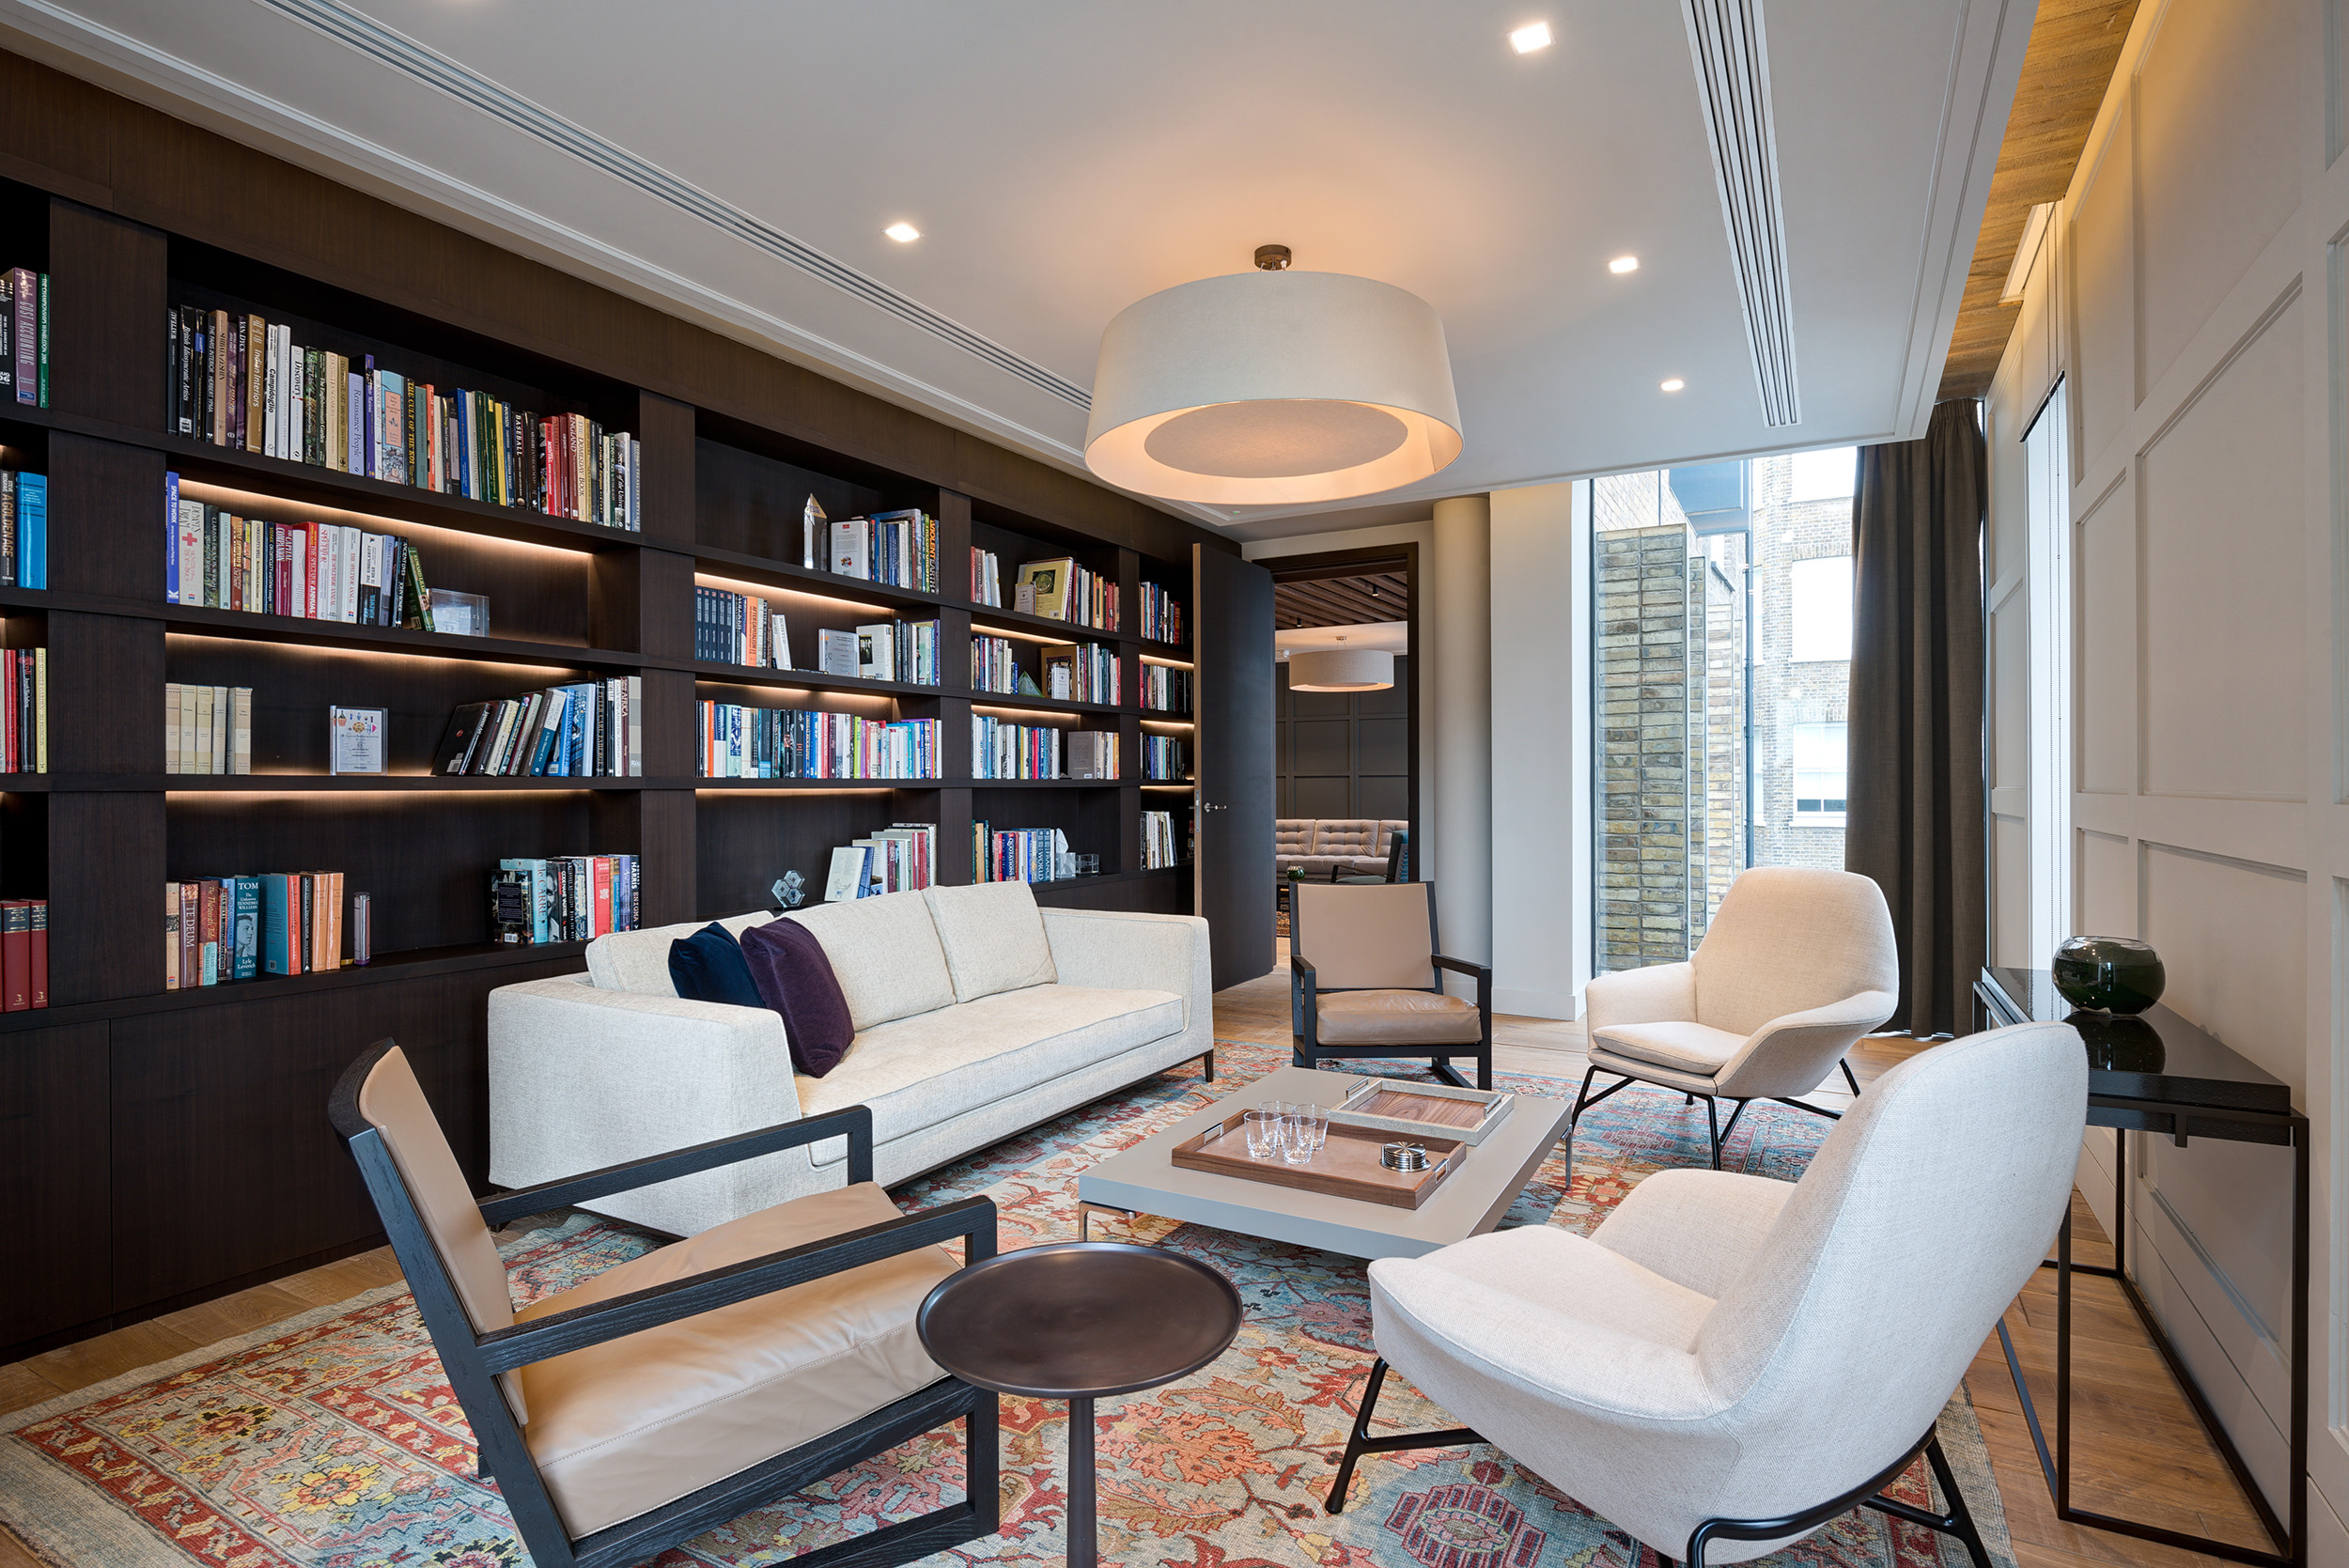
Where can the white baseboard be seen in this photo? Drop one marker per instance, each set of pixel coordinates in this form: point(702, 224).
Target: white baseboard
point(1537, 1004)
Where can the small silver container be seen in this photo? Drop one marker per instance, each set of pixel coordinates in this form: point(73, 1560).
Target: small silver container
point(1404, 1156)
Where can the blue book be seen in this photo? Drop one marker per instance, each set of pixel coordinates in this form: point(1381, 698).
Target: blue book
point(550, 726)
point(577, 763)
point(32, 530)
point(171, 538)
point(245, 952)
point(273, 914)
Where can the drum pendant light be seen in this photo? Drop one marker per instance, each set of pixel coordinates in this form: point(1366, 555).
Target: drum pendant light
point(1340, 669)
point(1272, 387)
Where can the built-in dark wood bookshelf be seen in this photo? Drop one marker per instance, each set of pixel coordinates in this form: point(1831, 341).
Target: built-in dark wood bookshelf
point(160, 1146)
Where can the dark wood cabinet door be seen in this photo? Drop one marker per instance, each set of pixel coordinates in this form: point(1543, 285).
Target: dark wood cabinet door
point(1232, 866)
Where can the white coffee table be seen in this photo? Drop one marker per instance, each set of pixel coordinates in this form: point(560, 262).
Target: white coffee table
point(1145, 1180)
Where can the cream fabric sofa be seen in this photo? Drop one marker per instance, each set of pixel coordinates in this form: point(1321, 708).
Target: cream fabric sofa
point(977, 1015)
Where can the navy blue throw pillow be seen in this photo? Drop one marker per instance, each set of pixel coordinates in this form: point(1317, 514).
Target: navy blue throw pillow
point(709, 966)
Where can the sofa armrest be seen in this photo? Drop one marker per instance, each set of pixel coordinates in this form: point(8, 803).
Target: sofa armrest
point(581, 1077)
point(1660, 993)
point(1120, 951)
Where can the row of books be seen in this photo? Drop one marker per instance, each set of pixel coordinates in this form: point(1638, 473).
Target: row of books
point(995, 667)
point(1003, 750)
point(986, 578)
point(1020, 854)
point(24, 710)
point(902, 858)
point(1158, 847)
point(24, 335)
point(740, 742)
point(564, 898)
point(1081, 672)
point(207, 729)
point(899, 550)
point(222, 928)
point(1165, 689)
point(240, 381)
point(1164, 757)
point(897, 650)
point(23, 530)
point(1162, 615)
point(24, 953)
point(313, 571)
point(593, 729)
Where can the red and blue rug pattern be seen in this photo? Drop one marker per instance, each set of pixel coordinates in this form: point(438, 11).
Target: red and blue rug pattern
point(333, 1441)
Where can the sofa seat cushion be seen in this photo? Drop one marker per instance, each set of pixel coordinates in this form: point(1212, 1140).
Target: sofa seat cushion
point(910, 1071)
point(620, 1428)
point(1684, 1048)
point(993, 935)
point(886, 955)
point(1397, 1018)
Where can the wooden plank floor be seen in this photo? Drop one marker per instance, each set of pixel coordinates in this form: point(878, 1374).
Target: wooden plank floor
point(2137, 1451)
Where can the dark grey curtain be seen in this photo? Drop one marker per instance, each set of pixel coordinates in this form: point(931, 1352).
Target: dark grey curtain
point(1914, 818)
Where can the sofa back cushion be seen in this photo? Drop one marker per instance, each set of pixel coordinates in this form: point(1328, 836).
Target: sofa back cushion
point(885, 954)
point(1293, 835)
point(638, 961)
point(1354, 836)
point(993, 935)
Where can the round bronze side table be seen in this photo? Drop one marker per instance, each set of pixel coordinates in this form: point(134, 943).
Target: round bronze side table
point(1079, 1321)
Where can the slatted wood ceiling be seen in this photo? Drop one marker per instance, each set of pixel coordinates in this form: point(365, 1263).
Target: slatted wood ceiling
point(1341, 600)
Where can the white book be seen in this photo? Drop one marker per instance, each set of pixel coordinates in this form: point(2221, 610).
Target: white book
point(268, 391)
point(284, 385)
point(223, 727)
point(204, 729)
point(370, 571)
point(354, 544)
point(171, 726)
point(852, 547)
point(847, 877)
point(240, 729)
point(635, 500)
point(187, 729)
point(778, 641)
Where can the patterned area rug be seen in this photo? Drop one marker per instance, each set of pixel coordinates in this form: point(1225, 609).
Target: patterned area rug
point(332, 1441)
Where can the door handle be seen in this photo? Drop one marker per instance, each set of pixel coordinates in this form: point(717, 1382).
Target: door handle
point(1204, 806)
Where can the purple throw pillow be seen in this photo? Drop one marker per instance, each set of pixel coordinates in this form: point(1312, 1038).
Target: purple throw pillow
point(795, 979)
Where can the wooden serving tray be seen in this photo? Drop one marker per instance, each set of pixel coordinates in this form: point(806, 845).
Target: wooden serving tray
point(1416, 1112)
point(1346, 1166)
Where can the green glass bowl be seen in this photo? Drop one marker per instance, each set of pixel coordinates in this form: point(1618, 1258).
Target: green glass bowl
point(2109, 974)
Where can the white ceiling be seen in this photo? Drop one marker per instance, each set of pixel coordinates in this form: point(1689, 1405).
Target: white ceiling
point(1065, 157)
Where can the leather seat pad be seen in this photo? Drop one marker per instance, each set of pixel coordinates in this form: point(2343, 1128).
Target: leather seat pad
point(620, 1428)
point(1397, 1018)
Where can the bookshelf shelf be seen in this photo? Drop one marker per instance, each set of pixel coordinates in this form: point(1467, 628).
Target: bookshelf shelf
point(349, 783)
point(794, 578)
point(824, 786)
point(1036, 705)
point(386, 639)
point(812, 680)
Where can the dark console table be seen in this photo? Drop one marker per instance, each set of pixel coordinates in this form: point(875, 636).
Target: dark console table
point(2171, 1078)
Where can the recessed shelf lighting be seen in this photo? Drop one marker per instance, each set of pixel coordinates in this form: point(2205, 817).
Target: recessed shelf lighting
point(1624, 264)
point(1674, 384)
point(1532, 36)
point(902, 232)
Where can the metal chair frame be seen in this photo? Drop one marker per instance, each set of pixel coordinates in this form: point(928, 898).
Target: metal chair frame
point(1958, 1521)
point(473, 1360)
point(1584, 1099)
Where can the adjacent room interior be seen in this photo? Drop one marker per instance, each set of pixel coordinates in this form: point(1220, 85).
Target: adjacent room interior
point(1532, 785)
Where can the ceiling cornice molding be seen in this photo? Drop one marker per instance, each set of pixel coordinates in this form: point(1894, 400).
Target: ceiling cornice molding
point(1731, 59)
point(175, 84)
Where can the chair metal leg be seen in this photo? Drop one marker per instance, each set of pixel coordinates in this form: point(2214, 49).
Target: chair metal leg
point(1713, 1126)
point(1361, 1442)
point(1845, 1065)
point(1958, 1521)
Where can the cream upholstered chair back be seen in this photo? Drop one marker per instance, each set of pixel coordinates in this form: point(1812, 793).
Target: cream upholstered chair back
point(1786, 939)
point(1920, 1218)
point(1379, 937)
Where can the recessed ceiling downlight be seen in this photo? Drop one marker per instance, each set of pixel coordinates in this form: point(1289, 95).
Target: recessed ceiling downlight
point(1674, 384)
point(1624, 264)
point(1270, 387)
point(1532, 36)
point(903, 233)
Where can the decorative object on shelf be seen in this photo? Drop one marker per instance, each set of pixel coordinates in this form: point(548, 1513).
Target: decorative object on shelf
point(1340, 669)
point(355, 737)
point(362, 929)
point(813, 524)
point(2109, 974)
point(208, 729)
point(462, 614)
point(790, 889)
point(1272, 386)
point(25, 337)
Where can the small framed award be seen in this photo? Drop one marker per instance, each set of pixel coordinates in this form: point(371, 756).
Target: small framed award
point(355, 739)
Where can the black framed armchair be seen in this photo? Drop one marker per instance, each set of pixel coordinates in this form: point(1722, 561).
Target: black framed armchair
point(1366, 980)
point(687, 1386)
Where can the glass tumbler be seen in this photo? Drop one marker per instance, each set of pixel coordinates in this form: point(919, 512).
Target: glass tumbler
point(1264, 1134)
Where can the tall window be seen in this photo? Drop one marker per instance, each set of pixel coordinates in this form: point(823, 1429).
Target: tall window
point(1819, 624)
point(1828, 476)
point(1819, 759)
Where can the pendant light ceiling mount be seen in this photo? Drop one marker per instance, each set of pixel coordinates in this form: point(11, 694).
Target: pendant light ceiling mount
point(1272, 387)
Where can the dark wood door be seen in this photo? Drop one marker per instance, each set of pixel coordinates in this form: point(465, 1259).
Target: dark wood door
point(1232, 881)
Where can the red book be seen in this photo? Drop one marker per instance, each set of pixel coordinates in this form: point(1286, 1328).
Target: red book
point(40, 951)
point(603, 896)
point(208, 939)
point(16, 955)
point(309, 571)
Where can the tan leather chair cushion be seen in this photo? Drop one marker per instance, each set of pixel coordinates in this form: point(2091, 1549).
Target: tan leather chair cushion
point(1397, 1018)
point(620, 1428)
point(1685, 1047)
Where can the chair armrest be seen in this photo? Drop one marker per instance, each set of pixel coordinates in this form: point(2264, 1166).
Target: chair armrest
point(1661, 993)
point(1304, 996)
point(1482, 974)
point(1695, 1228)
point(855, 1122)
point(972, 1219)
point(1793, 1053)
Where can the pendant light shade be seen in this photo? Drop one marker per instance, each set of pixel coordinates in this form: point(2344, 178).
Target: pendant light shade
point(1272, 388)
point(1341, 670)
